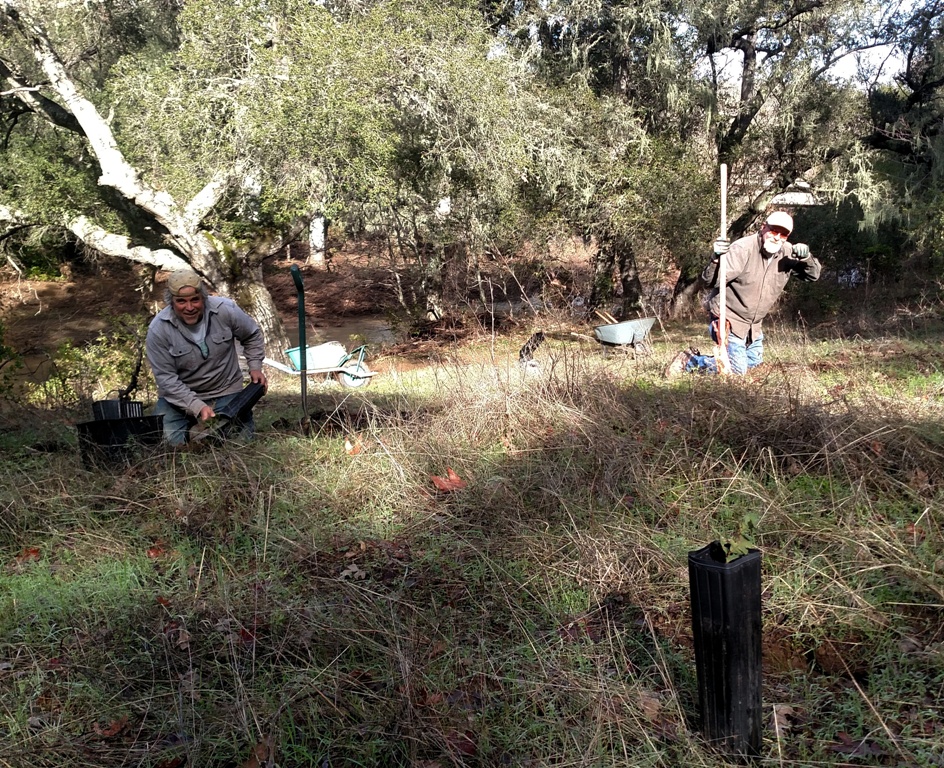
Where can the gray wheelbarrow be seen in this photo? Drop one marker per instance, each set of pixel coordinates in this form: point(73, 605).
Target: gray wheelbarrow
point(629, 333)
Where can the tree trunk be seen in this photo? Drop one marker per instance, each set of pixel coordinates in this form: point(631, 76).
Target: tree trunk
point(601, 288)
point(317, 238)
point(685, 297)
point(255, 298)
point(629, 282)
point(432, 284)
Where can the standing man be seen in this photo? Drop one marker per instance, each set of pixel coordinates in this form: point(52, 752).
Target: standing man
point(191, 347)
point(757, 270)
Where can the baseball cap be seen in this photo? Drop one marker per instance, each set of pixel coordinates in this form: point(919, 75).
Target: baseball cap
point(183, 278)
point(780, 219)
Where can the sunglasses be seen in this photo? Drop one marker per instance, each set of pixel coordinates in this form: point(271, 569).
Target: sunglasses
point(778, 232)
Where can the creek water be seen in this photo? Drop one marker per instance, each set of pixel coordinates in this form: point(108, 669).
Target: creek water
point(372, 330)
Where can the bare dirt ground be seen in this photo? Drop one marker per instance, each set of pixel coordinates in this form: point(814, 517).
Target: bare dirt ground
point(40, 315)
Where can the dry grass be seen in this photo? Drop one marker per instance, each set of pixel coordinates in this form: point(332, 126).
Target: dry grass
point(297, 603)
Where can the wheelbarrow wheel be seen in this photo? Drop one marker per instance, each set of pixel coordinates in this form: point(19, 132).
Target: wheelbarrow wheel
point(353, 375)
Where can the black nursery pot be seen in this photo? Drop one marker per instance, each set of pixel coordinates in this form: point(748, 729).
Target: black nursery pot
point(113, 441)
point(726, 624)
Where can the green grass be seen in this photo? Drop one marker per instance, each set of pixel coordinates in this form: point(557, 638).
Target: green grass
point(334, 608)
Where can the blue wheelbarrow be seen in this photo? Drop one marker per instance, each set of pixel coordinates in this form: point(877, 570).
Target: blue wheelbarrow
point(330, 359)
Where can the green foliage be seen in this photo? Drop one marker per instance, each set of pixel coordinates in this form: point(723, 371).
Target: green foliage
point(97, 370)
point(741, 540)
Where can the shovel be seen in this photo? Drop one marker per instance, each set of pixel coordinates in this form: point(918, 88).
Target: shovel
point(721, 349)
point(302, 345)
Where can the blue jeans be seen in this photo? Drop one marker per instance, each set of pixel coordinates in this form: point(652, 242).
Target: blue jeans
point(177, 422)
point(741, 354)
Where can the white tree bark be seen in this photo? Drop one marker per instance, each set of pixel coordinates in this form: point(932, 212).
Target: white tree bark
point(316, 242)
point(9, 217)
point(119, 245)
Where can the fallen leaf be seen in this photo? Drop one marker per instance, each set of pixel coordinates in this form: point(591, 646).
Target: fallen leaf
point(173, 762)
point(112, 729)
point(916, 532)
point(462, 743)
point(856, 747)
point(163, 601)
point(156, 551)
point(353, 572)
point(27, 555)
point(782, 716)
point(190, 684)
point(918, 480)
point(650, 704)
point(353, 448)
point(451, 482)
point(259, 756)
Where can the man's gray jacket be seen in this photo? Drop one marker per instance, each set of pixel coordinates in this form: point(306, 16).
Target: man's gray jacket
point(184, 377)
point(755, 281)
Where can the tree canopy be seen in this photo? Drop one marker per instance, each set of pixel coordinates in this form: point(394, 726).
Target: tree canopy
point(209, 133)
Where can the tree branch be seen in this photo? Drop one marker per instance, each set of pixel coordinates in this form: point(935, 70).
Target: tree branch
point(207, 198)
point(116, 171)
point(101, 240)
point(30, 97)
point(271, 245)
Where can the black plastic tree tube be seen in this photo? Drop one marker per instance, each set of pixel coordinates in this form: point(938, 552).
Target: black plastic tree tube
point(726, 625)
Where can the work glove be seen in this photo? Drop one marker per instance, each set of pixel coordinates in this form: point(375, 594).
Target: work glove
point(721, 247)
point(801, 251)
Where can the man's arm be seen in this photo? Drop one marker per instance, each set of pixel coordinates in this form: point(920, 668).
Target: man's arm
point(733, 265)
point(805, 267)
point(247, 330)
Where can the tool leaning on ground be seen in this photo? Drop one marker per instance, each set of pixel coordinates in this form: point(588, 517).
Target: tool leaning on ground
point(721, 329)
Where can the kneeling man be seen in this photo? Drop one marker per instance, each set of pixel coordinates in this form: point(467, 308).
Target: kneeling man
point(191, 347)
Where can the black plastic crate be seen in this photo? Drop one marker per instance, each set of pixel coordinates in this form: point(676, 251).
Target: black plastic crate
point(114, 441)
point(117, 409)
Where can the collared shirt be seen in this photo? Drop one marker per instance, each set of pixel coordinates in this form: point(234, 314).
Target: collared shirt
point(755, 281)
point(187, 379)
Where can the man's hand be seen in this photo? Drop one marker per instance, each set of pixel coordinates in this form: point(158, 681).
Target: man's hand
point(206, 413)
point(801, 251)
point(258, 377)
point(721, 247)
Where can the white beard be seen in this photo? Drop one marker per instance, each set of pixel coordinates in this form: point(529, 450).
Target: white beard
point(772, 246)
